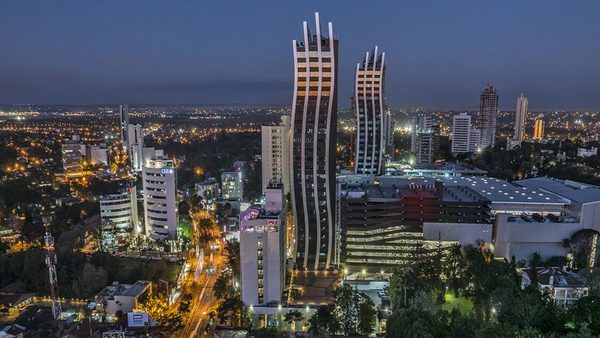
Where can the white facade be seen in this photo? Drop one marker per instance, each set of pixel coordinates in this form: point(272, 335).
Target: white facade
point(121, 210)
point(122, 297)
point(262, 250)
point(71, 158)
point(208, 191)
point(232, 185)
point(97, 154)
point(520, 118)
point(136, 146)
point(160, 199)
point(461, 133)
point(275, 143)
point(582, 152)
point(420, 123)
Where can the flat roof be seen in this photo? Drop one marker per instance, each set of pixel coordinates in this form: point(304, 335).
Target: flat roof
point(494, 189)
point(575, 191)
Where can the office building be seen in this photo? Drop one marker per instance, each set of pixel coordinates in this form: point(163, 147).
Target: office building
point(124, 125)
point(420, 122)
point(97, 155)
point(424, 138)
point(208, 191)
point(538, 128)
point(474, 140)
point(72, 159)
point(488, 109)
point(262, 250)
point(136, 146)
point(461, 133)
point(232, 185)
point(371, 115)
point(314, 135)
point(119, 212)
point(520, 118)
point(465, 139)
point(160, 199)
point(275, 143)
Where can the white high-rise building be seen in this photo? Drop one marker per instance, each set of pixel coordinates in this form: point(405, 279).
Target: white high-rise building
point(232, 185)
point(275, 143)
point(475, 145)
point(520, 118)
point(121, 210)
point(124, 124)
point(262, 250)
point(160, 199)
point(461, 133)
point(424, 138)
point(420, 123)
point(465, 138)
point(136, 146)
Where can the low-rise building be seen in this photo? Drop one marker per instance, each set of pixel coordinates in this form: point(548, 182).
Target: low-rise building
point(562, 286)
point(122, 297)
point(583, 152)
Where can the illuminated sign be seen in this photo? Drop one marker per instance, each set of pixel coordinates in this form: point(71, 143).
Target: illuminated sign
point(166, 171)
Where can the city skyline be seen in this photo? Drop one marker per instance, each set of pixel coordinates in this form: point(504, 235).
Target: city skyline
point(145, 56)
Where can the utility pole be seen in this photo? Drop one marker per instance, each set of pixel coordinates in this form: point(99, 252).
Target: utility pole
point(51, 263)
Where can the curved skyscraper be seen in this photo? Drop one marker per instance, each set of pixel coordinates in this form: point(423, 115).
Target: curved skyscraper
point(313, 146)
point(369, 106)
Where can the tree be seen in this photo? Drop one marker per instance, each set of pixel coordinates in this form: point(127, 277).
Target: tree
point(366, 316)
point(3, 247)
point(229, 310)
point(346, 302)
point(293, 316)
point(90, 281)
point(221, 287)
point(314, 326)
point(232, 254)
point(184, 306)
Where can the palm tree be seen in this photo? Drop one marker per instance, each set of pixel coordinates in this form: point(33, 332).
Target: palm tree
point(453, 262)
point(232, 255)
point(314, 329)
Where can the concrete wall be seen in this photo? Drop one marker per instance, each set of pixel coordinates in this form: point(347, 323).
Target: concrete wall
point(464, 233)
point(522, 239)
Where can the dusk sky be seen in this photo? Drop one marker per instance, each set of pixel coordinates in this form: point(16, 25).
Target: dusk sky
point(438, 53)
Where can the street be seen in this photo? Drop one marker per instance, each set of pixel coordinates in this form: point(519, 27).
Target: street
point(202, 301)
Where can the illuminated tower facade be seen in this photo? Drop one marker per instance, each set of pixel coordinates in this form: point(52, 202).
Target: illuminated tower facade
point(538, 128)
point(313, 146)
point(488, 109)
point(520, 118)
point(124, 126)
point(369, 106)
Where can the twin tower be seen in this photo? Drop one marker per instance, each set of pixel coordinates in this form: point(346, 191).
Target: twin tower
point(314, 134)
